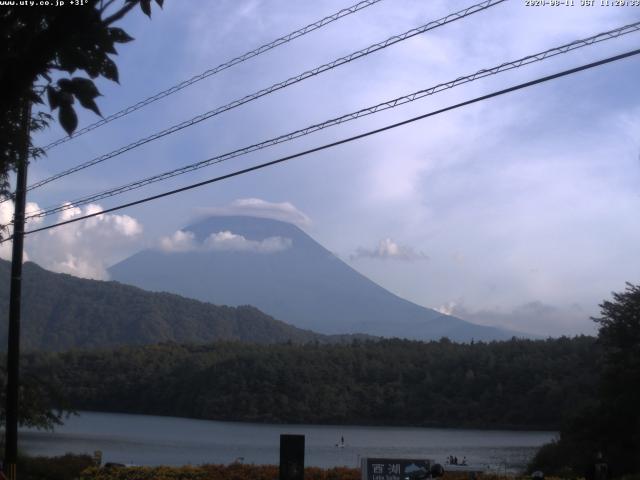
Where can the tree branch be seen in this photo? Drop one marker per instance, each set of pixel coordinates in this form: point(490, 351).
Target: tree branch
point(106, 5)
point(120, 13)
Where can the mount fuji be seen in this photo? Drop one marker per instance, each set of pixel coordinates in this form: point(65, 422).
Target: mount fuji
point(278, 268)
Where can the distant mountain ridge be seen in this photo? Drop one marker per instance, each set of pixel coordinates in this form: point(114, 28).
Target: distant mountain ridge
point(61, 312)
point(297, 281)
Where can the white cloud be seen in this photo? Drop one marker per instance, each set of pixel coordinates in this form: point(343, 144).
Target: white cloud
point(180, 241)
point(532, 317)
point(227, 241)
point(83, 248)
point(388, 249)
point(6, 217)
point(79, 267)
point(185, 241)
point(447, 308)
point(6, 213)
point(256, 207)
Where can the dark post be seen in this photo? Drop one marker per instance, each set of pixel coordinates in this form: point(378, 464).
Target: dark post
point(13, 351)
point(291, 457)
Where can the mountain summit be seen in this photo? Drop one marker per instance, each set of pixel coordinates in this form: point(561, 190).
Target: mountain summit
point(278, 268)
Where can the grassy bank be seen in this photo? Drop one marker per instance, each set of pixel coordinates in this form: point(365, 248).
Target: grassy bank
point(213, 472)
point(243, 472)
point(66, 467)
point(81, 467)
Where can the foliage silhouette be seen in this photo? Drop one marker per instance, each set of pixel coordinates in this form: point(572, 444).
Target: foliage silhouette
point(39, 44)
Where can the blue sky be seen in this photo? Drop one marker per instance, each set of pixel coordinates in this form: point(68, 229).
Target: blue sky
point(520, 211)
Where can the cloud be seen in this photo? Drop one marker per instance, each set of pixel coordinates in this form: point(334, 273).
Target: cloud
point(447, 309)
point(225, 241)
point(77, 266)
point(533, 317)
point(256, 207)
point(388, 249)
point(6, 217)
point(83, 248)
point(6, 212)
point(180, 241)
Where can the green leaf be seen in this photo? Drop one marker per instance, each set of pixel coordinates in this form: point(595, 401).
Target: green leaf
point(68, 58)
point(52, 97)
point(160, 3)
point(40, 121)
point(65, 85)
point(85, 91)
point(108, 47)
point(85, 88)
point(118, 35)
point(68, 118)
point(90, 104)
point(110, 70)
point(35, 98)
point(93, 70)
point(145, 5)
point(65, 98)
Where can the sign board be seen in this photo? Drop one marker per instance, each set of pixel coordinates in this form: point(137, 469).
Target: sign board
point(395, 468)
point(291, 457)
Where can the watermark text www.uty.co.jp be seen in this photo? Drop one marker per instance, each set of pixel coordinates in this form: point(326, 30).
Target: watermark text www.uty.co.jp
point(43, 3)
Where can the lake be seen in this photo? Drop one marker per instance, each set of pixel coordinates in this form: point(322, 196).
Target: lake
point(151, 440)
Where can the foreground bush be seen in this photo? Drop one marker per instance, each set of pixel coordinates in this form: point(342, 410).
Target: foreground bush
point(213, 472)
point(66, 467)
point(247, 472)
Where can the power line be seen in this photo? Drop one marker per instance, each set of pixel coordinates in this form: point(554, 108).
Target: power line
point(537, 57)
point(278, 86)
point(343, 141)
point(223, 66)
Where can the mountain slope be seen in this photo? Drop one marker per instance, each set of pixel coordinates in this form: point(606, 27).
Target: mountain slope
point(62, 312)
point(228, 261)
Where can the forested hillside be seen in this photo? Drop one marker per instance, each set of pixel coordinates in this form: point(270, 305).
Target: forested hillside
point(62, 312)
point(518, 383)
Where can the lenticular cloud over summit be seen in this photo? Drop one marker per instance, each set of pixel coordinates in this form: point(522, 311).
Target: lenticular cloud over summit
point(256, 207)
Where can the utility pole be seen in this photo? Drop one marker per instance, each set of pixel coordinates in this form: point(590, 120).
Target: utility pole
point(13, 351)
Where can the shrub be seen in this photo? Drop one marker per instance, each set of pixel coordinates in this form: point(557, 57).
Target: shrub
point(214, 472)
point(66, 467)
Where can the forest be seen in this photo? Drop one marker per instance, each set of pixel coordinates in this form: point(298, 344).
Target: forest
point(515, 384)
point(587, 388)
point(186, 358)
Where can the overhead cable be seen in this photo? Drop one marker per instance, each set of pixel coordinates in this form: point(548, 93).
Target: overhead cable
point(275, 87)
point(340, 142)
point(389, 104)
point(212, 71)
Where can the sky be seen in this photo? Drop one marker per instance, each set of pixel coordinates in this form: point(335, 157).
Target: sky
point(520, 211)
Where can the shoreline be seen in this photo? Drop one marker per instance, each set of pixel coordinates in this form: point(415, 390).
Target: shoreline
point(151, 440)
point(435, 426)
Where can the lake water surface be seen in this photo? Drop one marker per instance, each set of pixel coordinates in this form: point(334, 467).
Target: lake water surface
point(151, 440)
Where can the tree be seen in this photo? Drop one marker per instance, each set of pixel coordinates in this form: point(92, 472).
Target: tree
point(38, 44)
point(41, 47)
point(37, 397)
point(619, 335)
point(609, 424)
